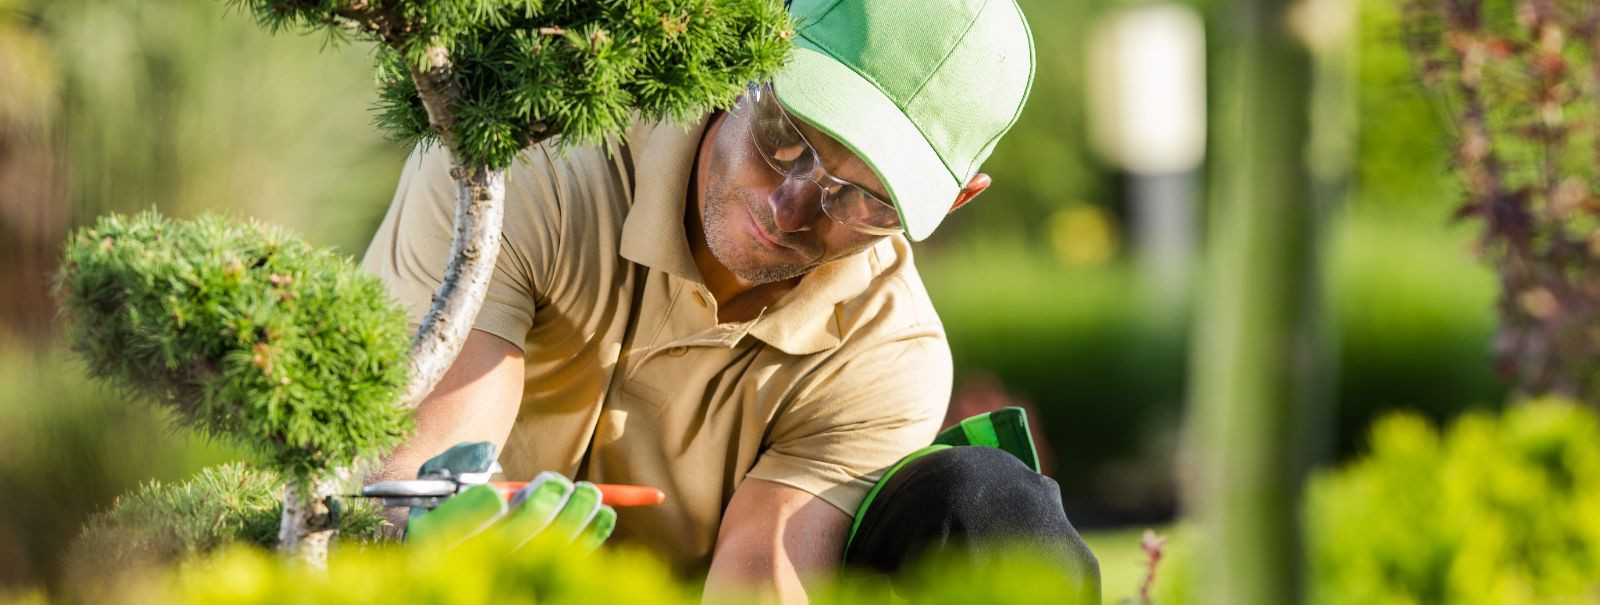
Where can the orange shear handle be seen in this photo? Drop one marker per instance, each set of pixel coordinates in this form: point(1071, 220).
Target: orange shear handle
point(611, 494)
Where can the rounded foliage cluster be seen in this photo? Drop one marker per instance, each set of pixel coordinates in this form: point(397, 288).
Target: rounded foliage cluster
point(531, 69)
point(247, 332)
point(1495, 511)
point(524, 81)
point(164, 523)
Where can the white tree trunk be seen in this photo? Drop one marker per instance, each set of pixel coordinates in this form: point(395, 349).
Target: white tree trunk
point(480, 211)
point(307, 525)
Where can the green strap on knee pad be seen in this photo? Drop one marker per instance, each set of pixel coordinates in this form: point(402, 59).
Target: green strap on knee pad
point(861, 512)
point(1005, 429)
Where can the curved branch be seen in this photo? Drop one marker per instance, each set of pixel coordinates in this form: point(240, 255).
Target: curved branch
point(480, 211)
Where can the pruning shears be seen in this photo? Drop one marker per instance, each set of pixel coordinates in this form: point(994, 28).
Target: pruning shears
point(430, 490)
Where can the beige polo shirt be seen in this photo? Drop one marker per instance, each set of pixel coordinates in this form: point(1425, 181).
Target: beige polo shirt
point(631, 379)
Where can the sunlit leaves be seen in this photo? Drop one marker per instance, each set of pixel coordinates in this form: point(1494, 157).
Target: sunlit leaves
point(528, 70)
point(1492, 510)
point(169, 522)
point(247, 332)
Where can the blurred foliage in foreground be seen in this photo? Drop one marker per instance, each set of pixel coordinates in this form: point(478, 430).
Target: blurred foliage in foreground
point(490, 571)
point(1493, 510)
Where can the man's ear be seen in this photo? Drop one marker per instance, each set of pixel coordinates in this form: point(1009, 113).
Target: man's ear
point(974, 187)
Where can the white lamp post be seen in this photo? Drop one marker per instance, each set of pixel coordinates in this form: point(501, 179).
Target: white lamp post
point(1147, 116)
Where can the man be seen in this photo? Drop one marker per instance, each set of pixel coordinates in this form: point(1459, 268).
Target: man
point(730, 312)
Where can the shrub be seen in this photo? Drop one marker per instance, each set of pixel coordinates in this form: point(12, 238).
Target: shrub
point(164, 523)
point(1516, 81)
point(490, 572)
point(1494, 510)
point(246, 331)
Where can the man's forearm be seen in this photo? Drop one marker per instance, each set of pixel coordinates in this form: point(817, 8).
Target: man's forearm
point(477, 400)
point(774, 539)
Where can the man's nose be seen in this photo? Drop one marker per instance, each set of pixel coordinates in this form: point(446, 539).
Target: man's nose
point(795, 204)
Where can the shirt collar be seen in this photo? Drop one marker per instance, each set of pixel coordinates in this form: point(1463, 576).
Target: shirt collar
point(804, 321)
point(652, 233)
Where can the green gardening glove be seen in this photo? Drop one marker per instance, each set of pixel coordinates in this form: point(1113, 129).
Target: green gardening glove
point(551, 508)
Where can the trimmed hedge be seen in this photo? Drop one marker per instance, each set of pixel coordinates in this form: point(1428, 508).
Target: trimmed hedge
point(1493, 510)
point(246, 331)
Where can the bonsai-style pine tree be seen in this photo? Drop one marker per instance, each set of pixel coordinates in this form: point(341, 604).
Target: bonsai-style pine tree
point(483, 78)
point(249, 335)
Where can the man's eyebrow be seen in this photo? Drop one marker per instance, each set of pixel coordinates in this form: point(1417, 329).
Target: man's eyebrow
point(884, 197)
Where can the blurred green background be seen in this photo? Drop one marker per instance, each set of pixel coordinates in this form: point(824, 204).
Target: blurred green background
point(121, 105)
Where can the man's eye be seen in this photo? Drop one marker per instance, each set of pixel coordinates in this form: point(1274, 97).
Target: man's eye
point(788, 153)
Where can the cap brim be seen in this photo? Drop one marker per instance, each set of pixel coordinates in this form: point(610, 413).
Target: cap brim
point(839, 102)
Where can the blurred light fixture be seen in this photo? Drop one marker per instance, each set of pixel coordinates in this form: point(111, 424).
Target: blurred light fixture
point(1146, 87)
point(1146, 103)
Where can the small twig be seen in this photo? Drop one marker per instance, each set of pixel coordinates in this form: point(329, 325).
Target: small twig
point(1152, 545)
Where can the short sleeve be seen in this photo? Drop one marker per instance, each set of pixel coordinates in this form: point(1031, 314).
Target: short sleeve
point(851, 423)
point(412, 245)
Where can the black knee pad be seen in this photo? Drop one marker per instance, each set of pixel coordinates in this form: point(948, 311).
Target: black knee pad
point(968, 500)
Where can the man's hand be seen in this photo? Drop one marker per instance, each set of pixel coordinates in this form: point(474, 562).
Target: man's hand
point(549, 509)
point(772, 538)
point(477, 400)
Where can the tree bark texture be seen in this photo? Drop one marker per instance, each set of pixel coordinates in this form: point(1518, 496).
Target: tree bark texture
point(480, 212)
point(307, 524)
point(1253, 353)
point(479, 215)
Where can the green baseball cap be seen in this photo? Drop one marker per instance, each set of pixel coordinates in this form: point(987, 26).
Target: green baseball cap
point(919, 89)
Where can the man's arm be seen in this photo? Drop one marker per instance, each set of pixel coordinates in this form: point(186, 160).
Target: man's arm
point(772, 538)
point(477, 400)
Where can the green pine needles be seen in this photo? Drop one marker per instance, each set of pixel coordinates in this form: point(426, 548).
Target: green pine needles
point(163, 523)
point(249, 333)
point(526, 70)
point(254, 336)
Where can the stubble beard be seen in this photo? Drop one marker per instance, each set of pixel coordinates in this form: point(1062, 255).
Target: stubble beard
point(720, 202)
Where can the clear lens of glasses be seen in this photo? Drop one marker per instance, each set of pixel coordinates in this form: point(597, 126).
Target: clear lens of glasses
point(788, 152)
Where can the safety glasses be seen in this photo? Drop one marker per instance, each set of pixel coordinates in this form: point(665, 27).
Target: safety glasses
point(781, 145)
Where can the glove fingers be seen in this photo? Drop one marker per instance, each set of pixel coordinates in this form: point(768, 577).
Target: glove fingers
point(581, 508)
point(605, 520)
point(458, 518)
point(535, 507)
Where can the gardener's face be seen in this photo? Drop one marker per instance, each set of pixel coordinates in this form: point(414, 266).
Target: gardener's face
point(762, 228)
